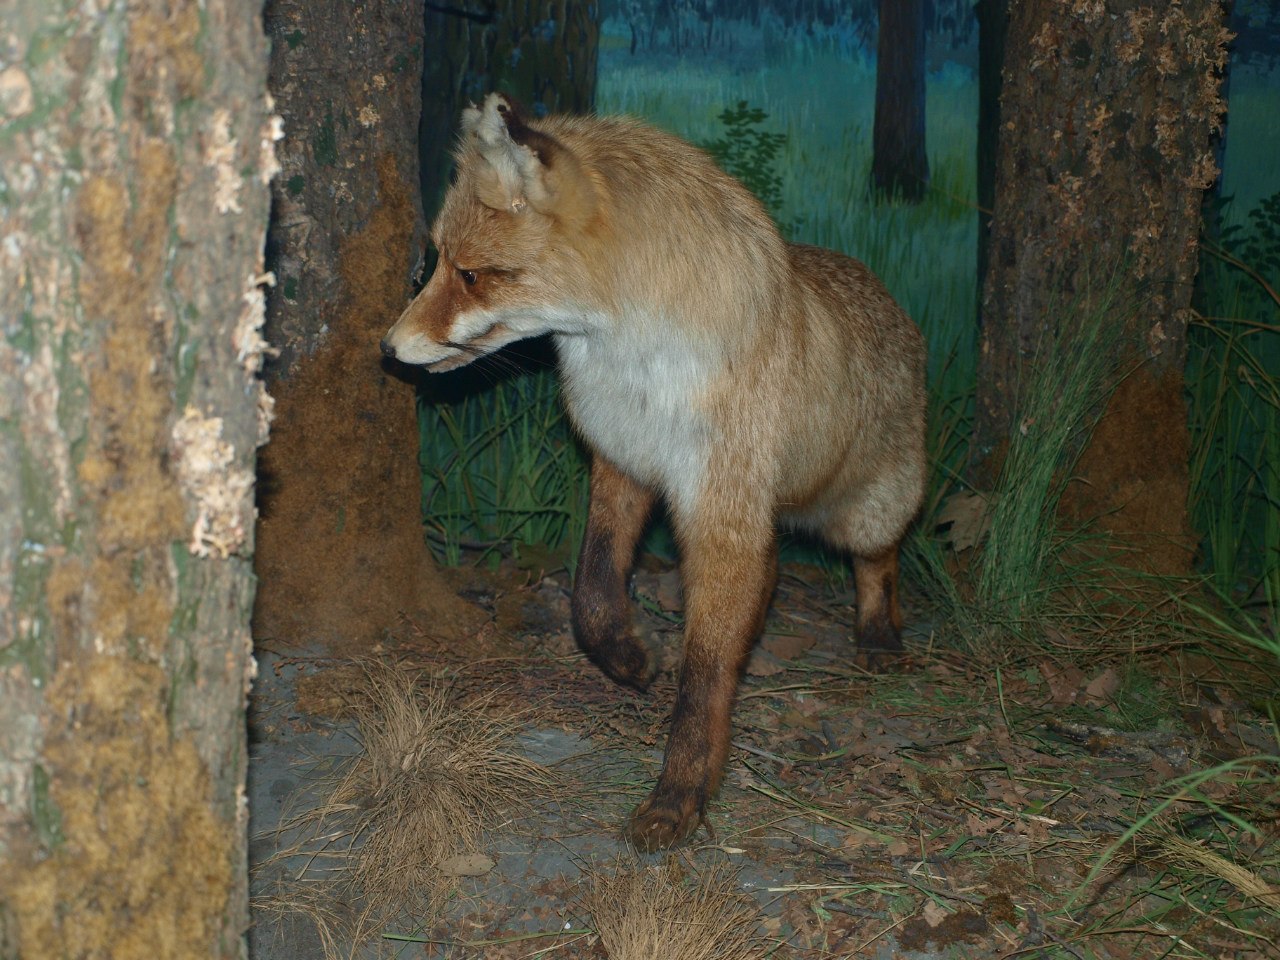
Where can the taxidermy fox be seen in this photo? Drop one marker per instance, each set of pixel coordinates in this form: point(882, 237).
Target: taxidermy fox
point(745, 380)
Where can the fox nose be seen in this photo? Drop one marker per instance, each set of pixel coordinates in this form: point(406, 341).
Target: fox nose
point(388, 350)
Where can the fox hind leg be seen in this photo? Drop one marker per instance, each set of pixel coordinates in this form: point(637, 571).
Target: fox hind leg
point(601, 609)
point(879, 615)
point(871, 529)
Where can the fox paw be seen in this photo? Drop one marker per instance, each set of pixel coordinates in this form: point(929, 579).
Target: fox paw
point(882, 659)
point(628, 661)
point(663, 821)
point(880, 648)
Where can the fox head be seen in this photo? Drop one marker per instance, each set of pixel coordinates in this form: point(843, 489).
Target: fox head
point(507, 236)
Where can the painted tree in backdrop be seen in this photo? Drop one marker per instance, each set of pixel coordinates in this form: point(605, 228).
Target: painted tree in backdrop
point(899, 164)
point(135, 148)
point(1104, 152)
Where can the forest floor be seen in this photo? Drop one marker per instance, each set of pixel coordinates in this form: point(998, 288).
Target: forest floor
point(949, 810)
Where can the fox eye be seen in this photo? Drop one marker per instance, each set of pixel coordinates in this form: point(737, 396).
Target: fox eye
point(468, 277)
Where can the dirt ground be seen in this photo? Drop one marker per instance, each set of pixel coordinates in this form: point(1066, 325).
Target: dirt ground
point(945, 811)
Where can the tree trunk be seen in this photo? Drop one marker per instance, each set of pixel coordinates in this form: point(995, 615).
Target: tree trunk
point(341, 554)
point(993, 22)
point(135, 146)
point(541, 52)
point(1104, 153)
point(899, 164)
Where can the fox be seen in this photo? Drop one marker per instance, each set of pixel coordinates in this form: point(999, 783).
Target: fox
point(745, 381)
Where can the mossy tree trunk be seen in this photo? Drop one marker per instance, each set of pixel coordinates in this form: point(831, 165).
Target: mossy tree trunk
point(135, 148)
point(341, 554)
point(899, 163)
point(1104, 152)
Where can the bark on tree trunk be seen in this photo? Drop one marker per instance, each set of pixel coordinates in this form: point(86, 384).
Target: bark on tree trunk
point(993, 23)
point(1104, 153)
point(543, 53)
point(341, 554)
point(899, 164)
point(135, 147)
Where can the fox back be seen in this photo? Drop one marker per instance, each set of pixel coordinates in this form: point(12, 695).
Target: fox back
point(706, 361)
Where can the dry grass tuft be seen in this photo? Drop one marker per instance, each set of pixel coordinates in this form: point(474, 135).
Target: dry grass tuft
point(309, 903)
point(1199, 858)
point(432, 779)
point(641, 912)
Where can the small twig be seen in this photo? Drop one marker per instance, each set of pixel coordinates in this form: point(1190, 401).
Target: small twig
point(472, 944)
point(839, 906)
point(1010, 814)
point(761, 753)
point(945, 894)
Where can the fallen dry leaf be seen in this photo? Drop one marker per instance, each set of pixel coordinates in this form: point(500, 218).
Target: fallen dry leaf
point(1064, 681)
point(933, 913)
point(969, 518)
point(1102, 688)
point(764, 664)
point(465, 865)
point(786, 646)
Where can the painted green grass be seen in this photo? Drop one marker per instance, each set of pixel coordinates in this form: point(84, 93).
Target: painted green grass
point(1233, 377)
point(1251, 168)
point(502, 473)
point(1233, 365)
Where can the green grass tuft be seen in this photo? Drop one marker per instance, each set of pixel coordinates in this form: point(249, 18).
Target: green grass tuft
point(1021, 565)
point(501, 468)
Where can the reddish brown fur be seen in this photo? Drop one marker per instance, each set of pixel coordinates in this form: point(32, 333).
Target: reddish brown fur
point(879, 616)
point(601, 609)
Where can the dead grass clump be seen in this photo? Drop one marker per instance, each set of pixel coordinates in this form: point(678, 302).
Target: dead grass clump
point(313, 904)
point(1198, 858)
point(641, 912)
point(432, 779)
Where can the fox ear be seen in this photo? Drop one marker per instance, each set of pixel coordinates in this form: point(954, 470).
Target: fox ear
point(525, 167)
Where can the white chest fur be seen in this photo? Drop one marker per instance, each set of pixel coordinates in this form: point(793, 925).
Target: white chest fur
point(639, 401)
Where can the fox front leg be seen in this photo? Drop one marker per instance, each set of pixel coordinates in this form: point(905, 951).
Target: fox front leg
point(729, 571)
point(601, 608)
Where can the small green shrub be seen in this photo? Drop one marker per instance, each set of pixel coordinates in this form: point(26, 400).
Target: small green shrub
point(750, 154)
